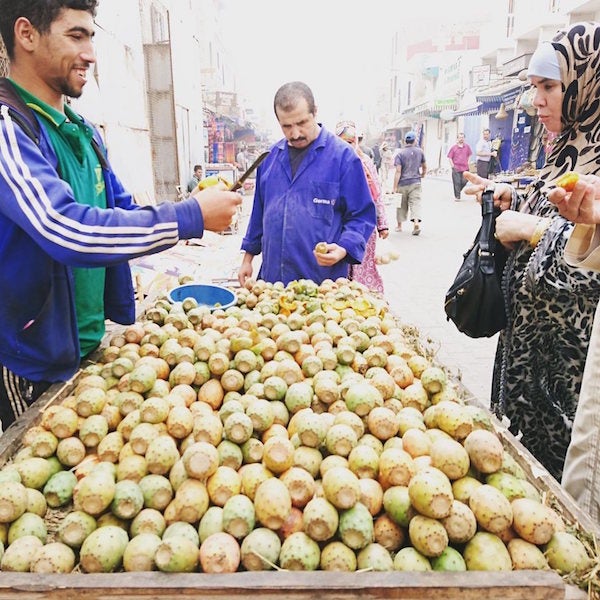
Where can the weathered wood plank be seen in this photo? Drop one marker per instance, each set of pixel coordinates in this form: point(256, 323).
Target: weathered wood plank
point(474, 585)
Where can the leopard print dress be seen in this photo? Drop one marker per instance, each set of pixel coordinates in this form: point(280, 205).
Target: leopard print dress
point(550, 305)
point(541, 352)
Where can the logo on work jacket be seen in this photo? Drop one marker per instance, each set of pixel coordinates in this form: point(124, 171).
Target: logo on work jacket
point(328, 201)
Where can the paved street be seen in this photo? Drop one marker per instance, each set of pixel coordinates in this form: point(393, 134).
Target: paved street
point(415, 284)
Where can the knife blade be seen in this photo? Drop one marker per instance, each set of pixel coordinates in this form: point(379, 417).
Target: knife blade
point(240, 181)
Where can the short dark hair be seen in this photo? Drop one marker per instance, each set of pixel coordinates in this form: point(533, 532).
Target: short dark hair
point(40, 13)
point(289, 94)
point(196, 167)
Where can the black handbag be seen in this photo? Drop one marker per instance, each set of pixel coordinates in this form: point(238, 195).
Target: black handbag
point(474, 302)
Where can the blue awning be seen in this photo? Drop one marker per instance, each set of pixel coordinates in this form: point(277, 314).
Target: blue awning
point(468, 111)
point(492, 102)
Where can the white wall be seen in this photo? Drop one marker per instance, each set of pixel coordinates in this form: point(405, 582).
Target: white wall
point(117, 100)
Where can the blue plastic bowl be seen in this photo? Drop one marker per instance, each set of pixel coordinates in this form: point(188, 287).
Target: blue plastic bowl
point(213, 296)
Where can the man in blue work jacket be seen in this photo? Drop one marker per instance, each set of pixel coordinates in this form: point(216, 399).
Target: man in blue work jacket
point(310, 189)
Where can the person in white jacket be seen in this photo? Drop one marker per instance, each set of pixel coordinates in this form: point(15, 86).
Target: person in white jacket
point(581, 473)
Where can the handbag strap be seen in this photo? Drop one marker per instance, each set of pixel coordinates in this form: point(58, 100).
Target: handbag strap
point(487, 241)
point(488, 245)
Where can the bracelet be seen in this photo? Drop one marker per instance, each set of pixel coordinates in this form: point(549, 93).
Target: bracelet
point(539, 231)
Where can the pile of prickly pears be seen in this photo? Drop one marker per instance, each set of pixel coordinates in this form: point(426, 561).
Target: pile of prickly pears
point(276, 434)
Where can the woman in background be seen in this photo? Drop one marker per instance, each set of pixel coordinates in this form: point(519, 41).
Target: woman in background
point(366, 272)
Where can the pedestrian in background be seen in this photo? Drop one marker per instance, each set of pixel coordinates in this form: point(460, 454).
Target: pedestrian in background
point(366, 272)
point(195, 180)
point(549, 303)
point(387, 164)
point(377, 157)
point(459, 155)
point(311, 188)
point(410, 169)
point(484, 153)
point(241, 159)
point(364, 147)
point(68, 225)
point(495, 165)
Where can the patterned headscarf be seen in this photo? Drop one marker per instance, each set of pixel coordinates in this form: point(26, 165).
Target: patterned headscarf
point(577, 148)
point(347, 131)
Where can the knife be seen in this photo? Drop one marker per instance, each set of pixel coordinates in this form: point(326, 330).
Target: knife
point(238, 184)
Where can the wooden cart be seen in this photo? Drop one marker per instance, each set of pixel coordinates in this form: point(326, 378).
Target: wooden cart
point(471, 585)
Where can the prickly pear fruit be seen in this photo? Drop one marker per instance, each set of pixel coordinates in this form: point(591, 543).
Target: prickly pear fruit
point(128, 499)
point(220, 553)
point(299, 553)
point(139, 552)
point(75, 527)
point(102, 551)
point(59, 488)
point(54, 557)
point(28, 524)
point(356, 526)
point(177, 554)
point(18, 556)
point(260, 549)
point(13, 501)
point(94, 493)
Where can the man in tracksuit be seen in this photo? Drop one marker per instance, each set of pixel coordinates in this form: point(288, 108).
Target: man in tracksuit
point(68, 225)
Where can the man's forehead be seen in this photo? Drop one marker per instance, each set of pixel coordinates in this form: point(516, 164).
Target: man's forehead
point(72, 19)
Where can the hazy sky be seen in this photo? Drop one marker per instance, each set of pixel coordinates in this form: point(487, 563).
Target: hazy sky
point(340, 48)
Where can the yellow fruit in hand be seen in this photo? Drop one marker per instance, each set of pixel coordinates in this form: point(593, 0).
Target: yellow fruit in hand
point(214, 180)
point(321, 248)
point(568, 181)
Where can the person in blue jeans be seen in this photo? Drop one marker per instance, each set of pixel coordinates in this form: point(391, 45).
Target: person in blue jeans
point(410, 169)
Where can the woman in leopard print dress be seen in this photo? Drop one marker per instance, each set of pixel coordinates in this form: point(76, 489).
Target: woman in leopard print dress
point(549, 304)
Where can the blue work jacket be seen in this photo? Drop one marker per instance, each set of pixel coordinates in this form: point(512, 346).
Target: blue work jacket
point(328, 200)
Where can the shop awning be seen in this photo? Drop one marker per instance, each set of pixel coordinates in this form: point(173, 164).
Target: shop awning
point(400, 123)
point(468, 110)
point(507, 95)
point(424, 108)
point(431, 108)
point(489, 100)
point(449, 103)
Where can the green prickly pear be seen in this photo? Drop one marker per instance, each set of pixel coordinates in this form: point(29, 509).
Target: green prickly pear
point(28, 524)
point(299, 553)
point(94, 493)
point(128, 499)
point(17, 557)
point(54, 557)
point(140, 551)
point(177, 554)
point(102, 551)
point(13, 501)
point(59, 488)
point(75, 528)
